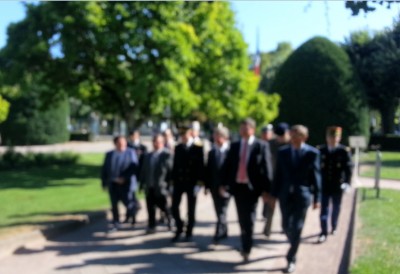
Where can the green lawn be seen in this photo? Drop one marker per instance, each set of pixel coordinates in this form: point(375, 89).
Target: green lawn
point(390, 165)
point(36, 196)
point(378, 235)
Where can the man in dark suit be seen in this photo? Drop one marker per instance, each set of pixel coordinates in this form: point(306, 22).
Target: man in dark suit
point(248, 174)
point(282, 137)
point(298, 181)
point(118, 172)
point(140, 149)
point(187, 172)
point(154, 176)
point(213, 181)
point(336, 169)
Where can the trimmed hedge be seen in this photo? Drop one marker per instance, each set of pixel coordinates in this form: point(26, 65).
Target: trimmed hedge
point(16, 160)
point(385, 142)
point(31, 123)
point(319, 88)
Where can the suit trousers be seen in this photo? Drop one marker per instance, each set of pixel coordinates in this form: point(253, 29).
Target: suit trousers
point(336, 199)
point(293, 216)
point(246, 203)
point(152, 201)
point(220, 206)
point(118, 193)
point(176, 201)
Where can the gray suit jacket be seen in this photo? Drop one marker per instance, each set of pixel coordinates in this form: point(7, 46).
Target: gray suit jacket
point(161, 172)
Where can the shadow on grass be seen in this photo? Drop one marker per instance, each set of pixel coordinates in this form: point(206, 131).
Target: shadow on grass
point(389, 163)
point(44, 177)
point(57, 219)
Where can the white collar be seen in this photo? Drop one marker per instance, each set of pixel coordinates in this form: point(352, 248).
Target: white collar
point(250, 141)
point(224, 147)
point(190, 142)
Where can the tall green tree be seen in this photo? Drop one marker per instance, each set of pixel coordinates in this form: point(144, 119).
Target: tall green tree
point(319, 88)
point(376, 59)
point(135, 59)
point(271, 62)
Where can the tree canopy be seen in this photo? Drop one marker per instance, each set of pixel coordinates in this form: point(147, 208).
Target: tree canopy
point(137, 59)
point(368, 6)
point(376, 59)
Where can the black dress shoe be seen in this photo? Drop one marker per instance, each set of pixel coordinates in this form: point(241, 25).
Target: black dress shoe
point(245, 256)
point(217, 239)
point(176, 237)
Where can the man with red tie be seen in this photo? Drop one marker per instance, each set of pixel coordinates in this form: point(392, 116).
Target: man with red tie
point(248, 171)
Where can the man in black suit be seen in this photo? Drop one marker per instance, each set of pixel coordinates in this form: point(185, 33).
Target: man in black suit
point(140, 149)
point(248, 172)
point(336, 169)
point(118, 173)
point(282, 137)
point(187, 172)
point(213, 181)
point(154, 176)
point(298, 181)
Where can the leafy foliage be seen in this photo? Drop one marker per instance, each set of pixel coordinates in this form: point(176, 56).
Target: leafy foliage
point(271, 62)
point(33, 122)
point(15, 160)
point(357, 6)
point(4, 108)
point(376, 60)
point(318, 87)
point(137, 59)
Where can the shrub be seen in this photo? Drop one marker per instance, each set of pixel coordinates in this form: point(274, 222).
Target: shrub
point(16, 160)
point(31, 123)
point(319, 88)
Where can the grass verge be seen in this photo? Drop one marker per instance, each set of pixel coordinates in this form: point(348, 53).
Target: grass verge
point(41, 196)
point(378, 235)
point(390, 165)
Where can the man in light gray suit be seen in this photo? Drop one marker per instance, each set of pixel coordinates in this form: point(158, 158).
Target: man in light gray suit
point(154, 176)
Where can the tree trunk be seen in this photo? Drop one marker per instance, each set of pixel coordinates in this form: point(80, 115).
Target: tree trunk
point(388, 114)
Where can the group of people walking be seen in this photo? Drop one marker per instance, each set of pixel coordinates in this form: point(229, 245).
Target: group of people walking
point(278, 166)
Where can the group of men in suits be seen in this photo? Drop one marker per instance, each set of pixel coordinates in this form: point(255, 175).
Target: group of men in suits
point(285, 169)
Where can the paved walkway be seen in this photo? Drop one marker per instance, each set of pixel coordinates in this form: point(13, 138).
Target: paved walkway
point(92, 250)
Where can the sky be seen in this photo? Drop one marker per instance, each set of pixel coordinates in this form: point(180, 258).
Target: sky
point(276, 21)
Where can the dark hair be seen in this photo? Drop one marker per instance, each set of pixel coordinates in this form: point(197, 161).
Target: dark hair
point(156, 135)
point(116, 138)
point(248, 121)
point(134, 131)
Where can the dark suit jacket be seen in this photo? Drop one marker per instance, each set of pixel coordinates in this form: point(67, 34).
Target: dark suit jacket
point(336, 168)
point(305, 179)
point(188, 166)
point(259, 167)
point(161, 172)
point(129, 168)
point(213, 174)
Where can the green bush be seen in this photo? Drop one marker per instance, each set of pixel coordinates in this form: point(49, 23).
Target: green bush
point(319, 88)
point(16, 160)
point(32, 123)
point(385, 142)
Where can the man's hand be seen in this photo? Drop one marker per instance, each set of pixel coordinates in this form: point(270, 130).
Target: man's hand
point(222, 192)
point(265, 197)
point(316, 205)
point(119, 181)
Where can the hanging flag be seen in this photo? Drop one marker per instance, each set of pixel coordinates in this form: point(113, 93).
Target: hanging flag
point(257, 57)
point(257, 64)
